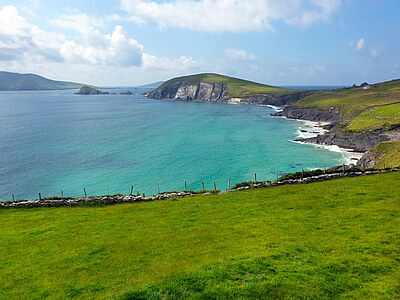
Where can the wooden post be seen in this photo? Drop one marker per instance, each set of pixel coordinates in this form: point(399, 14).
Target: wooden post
point(158, 188)
point(255, 177)
point(131, 190)
point(203, 186)
point(13, 197)
point(62, 195)
point(108, 191)
point(40, 196)
point(276, 176)
point(324, 170)
point(343, 168)
point(215, 187)
point(185, 186)
point(302, 174)
point(229, 183)
point(84, 190)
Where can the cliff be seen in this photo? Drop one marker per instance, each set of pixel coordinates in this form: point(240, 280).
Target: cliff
point(218, 88)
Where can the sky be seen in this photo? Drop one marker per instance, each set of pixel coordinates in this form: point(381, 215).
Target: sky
point(134, 42)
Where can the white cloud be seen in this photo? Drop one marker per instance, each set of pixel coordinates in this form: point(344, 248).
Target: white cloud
point(18, 37)
point(89, 56)
point(159, 63)
point(357, 46)
point(230, 15)
point(239, 54)
point(112, 49)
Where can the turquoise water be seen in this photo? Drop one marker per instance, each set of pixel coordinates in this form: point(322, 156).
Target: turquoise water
point(52, 141)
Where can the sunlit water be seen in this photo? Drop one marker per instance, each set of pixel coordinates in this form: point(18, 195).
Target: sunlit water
point(52, 141)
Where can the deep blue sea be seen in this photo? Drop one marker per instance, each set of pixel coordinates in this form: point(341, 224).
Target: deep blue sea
point(52, 141)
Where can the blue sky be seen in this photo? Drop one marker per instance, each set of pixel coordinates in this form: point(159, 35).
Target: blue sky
point(131, 42)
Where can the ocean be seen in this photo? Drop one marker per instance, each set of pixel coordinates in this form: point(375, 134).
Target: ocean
point(53, 141)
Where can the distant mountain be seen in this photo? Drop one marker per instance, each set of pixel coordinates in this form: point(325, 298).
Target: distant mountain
point(153, 85)
point(31, 82)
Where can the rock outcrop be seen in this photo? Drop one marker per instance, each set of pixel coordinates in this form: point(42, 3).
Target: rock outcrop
point(87, 90)
point(311, 114)
point(358, 141)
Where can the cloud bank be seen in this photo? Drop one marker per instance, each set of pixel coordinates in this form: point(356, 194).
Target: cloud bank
point(230, 15)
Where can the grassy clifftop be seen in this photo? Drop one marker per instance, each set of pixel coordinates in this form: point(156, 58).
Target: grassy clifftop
point(333, 239)
point(237, 87)
point(362, 109)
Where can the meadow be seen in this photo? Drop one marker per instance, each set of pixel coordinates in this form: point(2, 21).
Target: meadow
point(332, 239)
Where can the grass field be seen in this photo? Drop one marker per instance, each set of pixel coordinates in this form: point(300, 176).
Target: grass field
point(333, 239)
point(376, 117)
point(237, 87)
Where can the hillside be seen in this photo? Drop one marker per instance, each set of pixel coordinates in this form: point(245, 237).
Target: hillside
point(332, 239)
point(31, 82)
point(383, 155)
point(360, 117)
point(219, 88)
point(361, 108)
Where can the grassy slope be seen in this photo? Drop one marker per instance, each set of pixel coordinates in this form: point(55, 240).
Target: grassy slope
point(237, 87)
point(356, 104)
point(387, 154)
point(16, 82)
point(339, 238)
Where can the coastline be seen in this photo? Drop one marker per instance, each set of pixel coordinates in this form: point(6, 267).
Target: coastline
point(310, 129)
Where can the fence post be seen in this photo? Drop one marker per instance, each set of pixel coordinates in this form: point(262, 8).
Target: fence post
point(343, 168)
point(202, 183)
point(40, 196)
point(84, 190)
point(324, 170)
point(158, 188)
point(276, 176)
point(62, 195)
point(302, 174)
point(108, 191)
point(185, 186)
point(255, 177)
point(229, 183)
point(215, 187)
point(131, 190)
point(13, 197)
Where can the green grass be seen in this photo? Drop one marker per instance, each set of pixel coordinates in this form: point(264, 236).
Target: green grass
point(387, 154)
point(237, 87)
point(376, 117)
point(333, 239)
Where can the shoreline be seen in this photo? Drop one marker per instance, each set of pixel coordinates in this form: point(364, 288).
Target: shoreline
point(310, 129)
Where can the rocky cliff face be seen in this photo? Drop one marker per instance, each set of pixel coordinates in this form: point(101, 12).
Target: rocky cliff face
point(202, 91)
point(358, 141)
point(311, 114)
point(217, 92)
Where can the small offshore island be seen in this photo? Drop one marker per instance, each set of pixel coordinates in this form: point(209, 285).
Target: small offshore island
point(363, 118)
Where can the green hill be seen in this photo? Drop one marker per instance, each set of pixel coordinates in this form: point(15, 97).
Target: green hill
point(336, 239)
point(31, 82)
point(236, 87)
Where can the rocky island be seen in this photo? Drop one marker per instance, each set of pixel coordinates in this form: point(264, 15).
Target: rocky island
point(87, 90)
point(358, 118)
